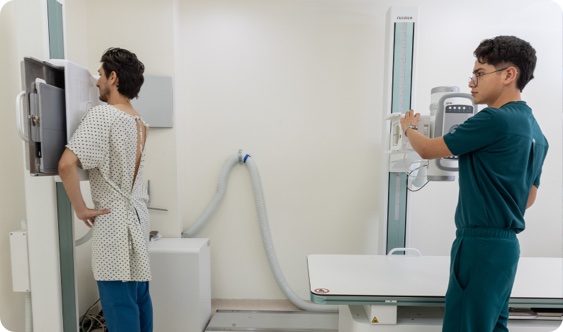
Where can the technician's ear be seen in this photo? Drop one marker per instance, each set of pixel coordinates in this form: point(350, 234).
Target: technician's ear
point(511, 75)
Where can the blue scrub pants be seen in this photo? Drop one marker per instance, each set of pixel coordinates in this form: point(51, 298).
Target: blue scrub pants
point(482, 270)
point(127, 306)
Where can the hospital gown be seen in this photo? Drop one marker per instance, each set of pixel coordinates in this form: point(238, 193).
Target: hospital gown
point(106, 145)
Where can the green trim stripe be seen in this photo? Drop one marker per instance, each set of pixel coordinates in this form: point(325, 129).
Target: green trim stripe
point(403, 52)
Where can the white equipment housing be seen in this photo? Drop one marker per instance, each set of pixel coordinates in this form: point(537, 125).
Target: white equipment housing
point(181, 284)
point(449, 109)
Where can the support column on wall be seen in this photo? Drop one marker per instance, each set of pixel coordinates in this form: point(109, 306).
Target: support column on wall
point(399, 81)
point(64, 208)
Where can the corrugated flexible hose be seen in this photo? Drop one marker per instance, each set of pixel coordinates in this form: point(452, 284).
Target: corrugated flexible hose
point(264, 227)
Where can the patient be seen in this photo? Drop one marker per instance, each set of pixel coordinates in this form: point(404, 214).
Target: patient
point(109, 143)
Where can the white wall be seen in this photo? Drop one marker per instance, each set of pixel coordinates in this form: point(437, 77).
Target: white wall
point(299, 86)
point(11, 173)
point(293, 84)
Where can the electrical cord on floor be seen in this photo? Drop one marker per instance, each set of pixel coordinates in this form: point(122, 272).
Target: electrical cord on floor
point(93, 322)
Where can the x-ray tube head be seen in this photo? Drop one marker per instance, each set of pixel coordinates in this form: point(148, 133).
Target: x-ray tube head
point(449, 109)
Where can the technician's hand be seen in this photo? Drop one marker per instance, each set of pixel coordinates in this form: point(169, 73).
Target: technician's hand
point(410, 118)
point(88, 216)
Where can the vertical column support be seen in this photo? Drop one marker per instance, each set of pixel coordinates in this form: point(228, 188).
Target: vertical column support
point(66, 252)
point(64, 208)
point(56, 36)
point(401, 42)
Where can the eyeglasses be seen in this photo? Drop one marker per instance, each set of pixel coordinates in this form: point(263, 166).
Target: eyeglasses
point(475, 78)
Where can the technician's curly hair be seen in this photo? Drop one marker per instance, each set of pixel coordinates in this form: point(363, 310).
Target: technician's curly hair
point(128, 68)
point(509, 50)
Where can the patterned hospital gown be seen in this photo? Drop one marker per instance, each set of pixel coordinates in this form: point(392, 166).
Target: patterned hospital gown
point(106, 145)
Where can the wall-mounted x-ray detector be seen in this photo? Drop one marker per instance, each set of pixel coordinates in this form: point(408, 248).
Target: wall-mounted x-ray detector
point(56, 95)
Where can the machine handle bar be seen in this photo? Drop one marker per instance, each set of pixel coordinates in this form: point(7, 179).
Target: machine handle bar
point(19, 112)
point(394, 250)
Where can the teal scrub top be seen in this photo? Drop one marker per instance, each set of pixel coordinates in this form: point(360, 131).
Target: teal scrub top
point(501, 152)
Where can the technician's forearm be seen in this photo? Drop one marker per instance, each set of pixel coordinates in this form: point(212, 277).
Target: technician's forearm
point(532, 196)
point(420, 144)
point(427, 148)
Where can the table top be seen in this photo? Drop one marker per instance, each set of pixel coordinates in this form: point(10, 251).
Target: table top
point(420, 280)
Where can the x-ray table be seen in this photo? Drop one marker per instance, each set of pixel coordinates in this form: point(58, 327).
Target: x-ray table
point(406, 293)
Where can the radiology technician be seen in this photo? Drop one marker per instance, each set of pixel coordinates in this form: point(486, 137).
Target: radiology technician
point(501, 151)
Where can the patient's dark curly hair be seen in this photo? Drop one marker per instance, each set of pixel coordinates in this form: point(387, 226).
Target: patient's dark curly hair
point(509, 50)
point(128, 68)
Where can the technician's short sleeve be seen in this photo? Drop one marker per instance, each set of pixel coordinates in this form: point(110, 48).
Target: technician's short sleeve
point(475, 133)
point(90, 141)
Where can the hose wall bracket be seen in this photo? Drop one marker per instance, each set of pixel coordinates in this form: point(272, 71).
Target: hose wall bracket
point(240, 159)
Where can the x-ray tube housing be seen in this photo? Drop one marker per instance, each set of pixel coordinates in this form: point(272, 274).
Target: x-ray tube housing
point(449, 108)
